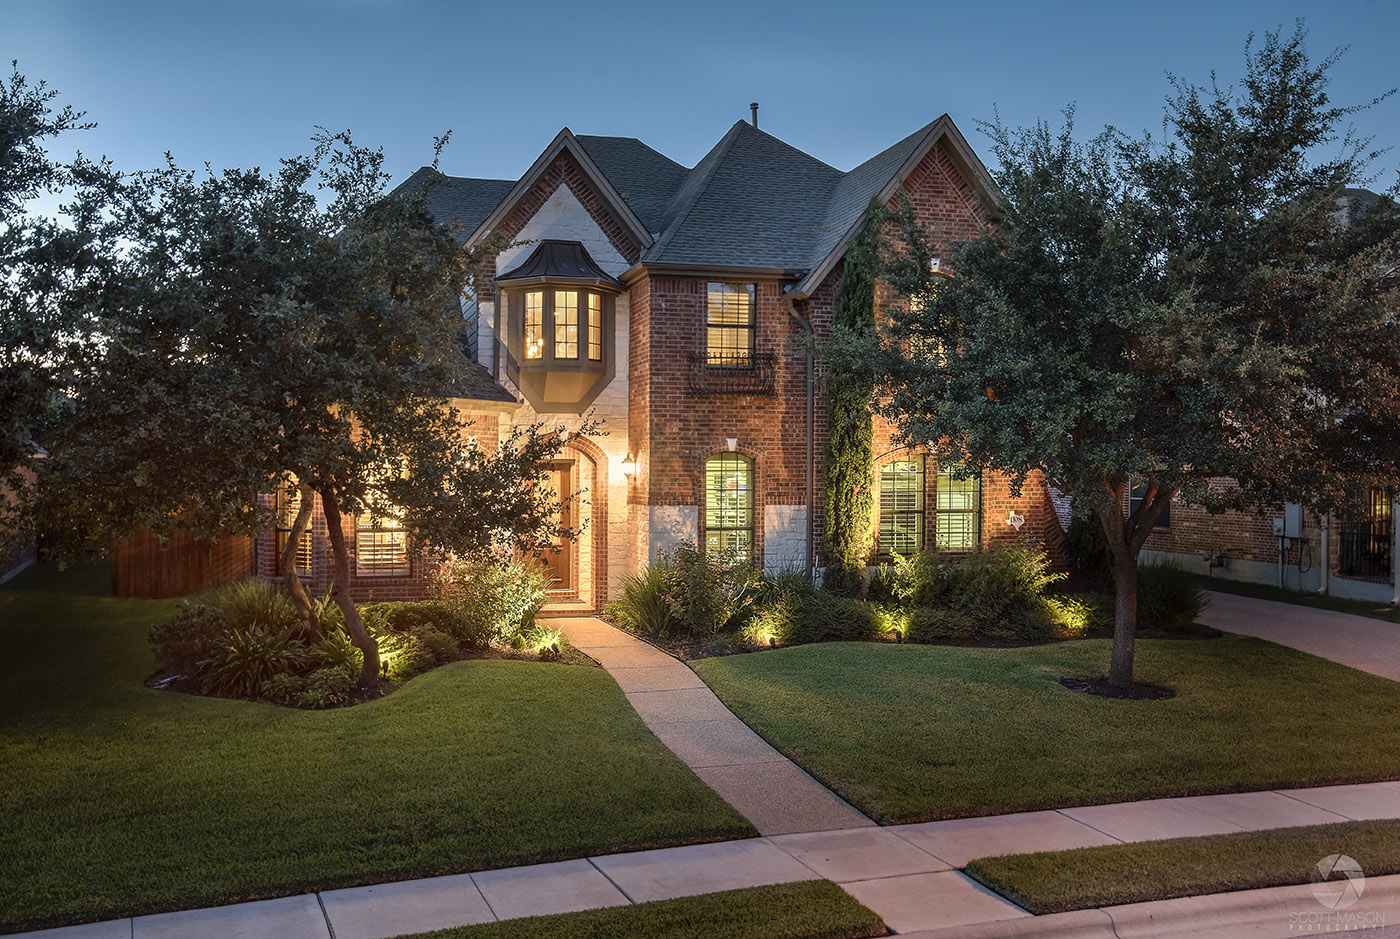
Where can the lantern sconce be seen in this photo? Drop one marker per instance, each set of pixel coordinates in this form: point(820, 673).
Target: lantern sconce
point(629, 466)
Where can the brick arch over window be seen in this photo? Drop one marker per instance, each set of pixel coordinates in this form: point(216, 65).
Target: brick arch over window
point(599, 525)
point(759, 465)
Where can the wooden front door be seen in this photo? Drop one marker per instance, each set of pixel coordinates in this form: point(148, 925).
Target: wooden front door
point(559, 562)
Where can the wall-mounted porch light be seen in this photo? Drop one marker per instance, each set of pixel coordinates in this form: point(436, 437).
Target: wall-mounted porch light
point(629, 466)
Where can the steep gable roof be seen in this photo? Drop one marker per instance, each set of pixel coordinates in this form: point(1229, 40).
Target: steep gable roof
point(566, 141)
point(752, 202)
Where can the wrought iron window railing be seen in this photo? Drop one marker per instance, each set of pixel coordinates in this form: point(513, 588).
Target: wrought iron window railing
point(748, 374)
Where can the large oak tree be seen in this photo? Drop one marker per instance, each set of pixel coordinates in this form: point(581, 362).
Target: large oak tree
point(1168, 312)
point(296, 328)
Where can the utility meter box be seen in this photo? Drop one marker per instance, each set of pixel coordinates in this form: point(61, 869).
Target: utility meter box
point(1292, 520)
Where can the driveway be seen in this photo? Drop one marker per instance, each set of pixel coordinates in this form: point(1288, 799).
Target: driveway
point(1371, 645)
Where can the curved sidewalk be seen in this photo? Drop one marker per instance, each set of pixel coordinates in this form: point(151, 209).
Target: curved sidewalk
point(767, 788)
point(1370, 645)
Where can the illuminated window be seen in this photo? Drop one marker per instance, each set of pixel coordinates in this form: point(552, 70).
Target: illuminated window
point(957, 516)
point(729, 504)
point(381, 546)
point(729, 324)
point(566, 324)
point(534, 325)
point(287, 502)
point(595, 327)
point(1367, 535)
point(902, 506)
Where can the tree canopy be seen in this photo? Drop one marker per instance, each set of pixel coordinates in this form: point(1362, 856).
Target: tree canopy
point(1172, 312)
point(248, 329)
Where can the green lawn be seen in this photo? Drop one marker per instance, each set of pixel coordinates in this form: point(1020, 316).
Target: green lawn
point(812, 909)
point(1266, 592)
point(910, 733)
point(1085, 878)
point(117, 799)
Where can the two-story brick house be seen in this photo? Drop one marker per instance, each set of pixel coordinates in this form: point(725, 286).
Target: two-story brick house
point(675, 304)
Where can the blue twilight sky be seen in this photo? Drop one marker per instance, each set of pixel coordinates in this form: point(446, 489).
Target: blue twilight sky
point(238, 84)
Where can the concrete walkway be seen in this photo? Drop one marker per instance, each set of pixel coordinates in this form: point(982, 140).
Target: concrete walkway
point(766, 787)
point(909, 874)
point(1371, 645)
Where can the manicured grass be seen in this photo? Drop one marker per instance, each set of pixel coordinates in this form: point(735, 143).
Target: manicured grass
point(910, 733)
point(1085, 878)
point(1265, 592)
point(118, 799)
point(812, 909)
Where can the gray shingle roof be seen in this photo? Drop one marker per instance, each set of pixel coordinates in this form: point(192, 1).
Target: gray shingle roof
point(465, 199)
point(646, 179)
point(752, 201)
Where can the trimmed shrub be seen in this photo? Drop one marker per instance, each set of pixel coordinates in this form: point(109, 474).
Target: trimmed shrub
point(193, 635)
point(999, 594)
point(793, 610)
point(933, 626)
point(1169, 597)
point(493, 598)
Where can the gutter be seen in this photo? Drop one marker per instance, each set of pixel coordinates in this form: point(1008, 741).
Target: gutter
point(811, 436)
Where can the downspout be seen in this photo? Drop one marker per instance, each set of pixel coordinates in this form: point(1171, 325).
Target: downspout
point(811, 437)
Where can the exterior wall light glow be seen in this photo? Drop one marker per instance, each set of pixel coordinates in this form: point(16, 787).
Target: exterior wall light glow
point(629, 466)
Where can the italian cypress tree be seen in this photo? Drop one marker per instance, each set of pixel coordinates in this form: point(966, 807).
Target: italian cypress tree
point(847, 463)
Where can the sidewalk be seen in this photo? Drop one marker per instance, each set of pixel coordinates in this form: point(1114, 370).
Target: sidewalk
point(906, 873)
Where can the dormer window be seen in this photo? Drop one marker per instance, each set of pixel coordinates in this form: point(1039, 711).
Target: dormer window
point(560, 307)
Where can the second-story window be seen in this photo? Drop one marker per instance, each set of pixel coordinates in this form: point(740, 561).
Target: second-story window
point(595, 327)
point(534, 324)
point(566, 324)
point(729, 326)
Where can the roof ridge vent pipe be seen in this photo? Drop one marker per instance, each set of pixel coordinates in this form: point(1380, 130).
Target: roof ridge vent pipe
point(753, 110)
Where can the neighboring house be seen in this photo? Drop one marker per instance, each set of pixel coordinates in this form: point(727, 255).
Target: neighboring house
point(1353, 555)
point(674, 304)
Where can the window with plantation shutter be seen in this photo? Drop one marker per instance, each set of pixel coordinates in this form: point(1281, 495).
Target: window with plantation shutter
point(902, 506)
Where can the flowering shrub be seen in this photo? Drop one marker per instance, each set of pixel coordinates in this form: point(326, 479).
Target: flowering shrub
point(493, 597)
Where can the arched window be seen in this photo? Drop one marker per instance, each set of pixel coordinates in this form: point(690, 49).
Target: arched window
point(729, 504)
point(958, 515)
point(902, 506)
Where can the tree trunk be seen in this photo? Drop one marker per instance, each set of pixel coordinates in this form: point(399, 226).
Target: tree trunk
point(1125, 569)
point(354, 626)
point(287, 564)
